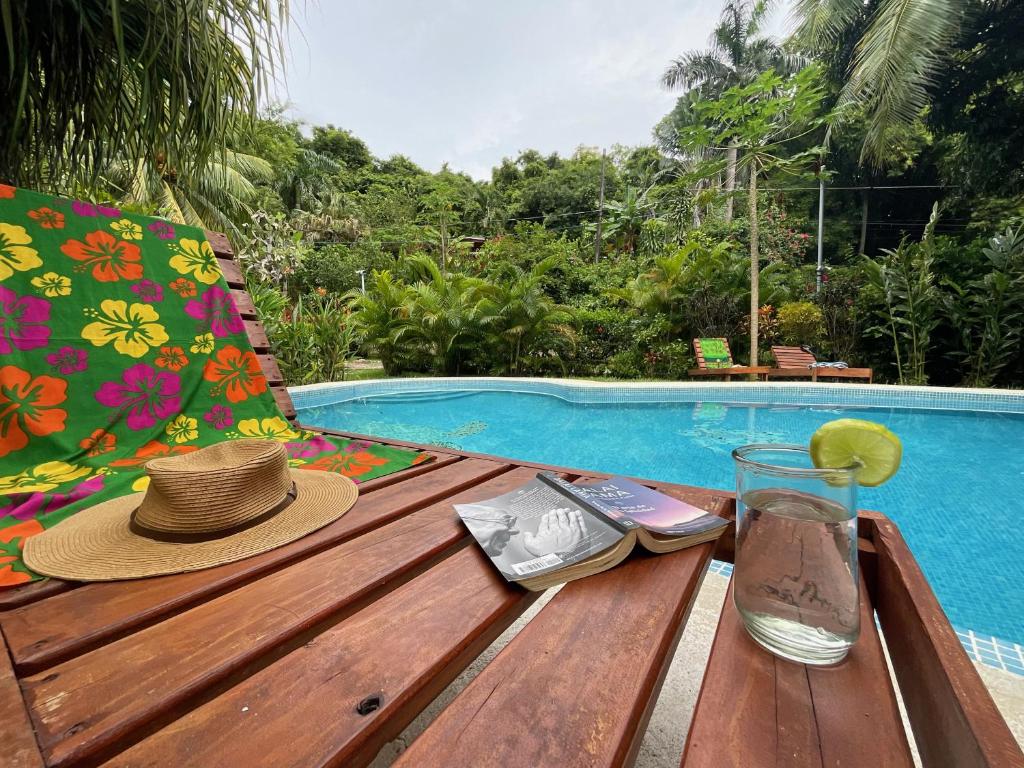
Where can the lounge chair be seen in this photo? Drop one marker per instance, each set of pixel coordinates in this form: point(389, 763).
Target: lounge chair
point(800, 363)
point(715, 359)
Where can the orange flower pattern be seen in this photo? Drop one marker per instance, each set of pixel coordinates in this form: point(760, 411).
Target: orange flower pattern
point(172, 358)
point(98, 443)
point(28, 406)
point(47, 218)
point(111, 258)
point(236, 373)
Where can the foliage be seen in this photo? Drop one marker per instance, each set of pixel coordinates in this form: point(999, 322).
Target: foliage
point(313, 340)
point(91, 81)
point(801, 322)
point(841, 316)
point(335, 268)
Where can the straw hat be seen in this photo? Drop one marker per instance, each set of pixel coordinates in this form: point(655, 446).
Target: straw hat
point(213, 506)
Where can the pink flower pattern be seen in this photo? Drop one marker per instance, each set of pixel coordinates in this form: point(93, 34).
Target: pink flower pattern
point(162, 229)
point(306, 449)
point(22, 322)
point(26, 506)
point(144, 393)
point(216, 312)
point(220, 416)
point(148, 291)
point(83, 208)
point(69, 360)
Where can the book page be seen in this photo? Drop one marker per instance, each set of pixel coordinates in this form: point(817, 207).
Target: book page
point(535, 530)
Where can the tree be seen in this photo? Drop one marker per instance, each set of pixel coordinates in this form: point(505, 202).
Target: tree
point(738, 55)
point(342, 146)
point(623, 220)
point(761, 119)
point(379, 314)
point(89, 82)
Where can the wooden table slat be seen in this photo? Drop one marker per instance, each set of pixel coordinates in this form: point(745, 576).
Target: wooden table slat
point(45, 633)
point(18, 747)
point(301, 710)
point(85, 704)
point(758, 711)
point(576, 686)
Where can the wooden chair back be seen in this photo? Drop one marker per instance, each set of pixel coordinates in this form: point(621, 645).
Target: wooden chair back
point(792, 357)
point(253, 327)
point(704, 364)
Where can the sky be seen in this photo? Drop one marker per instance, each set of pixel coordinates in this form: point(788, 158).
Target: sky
point(469, 82)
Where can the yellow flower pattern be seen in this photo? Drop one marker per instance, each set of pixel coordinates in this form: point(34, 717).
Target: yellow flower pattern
point(51, 284)
point(133, 329)
point(183, 428)
point(127, 229)
point(42, 477)
point(203, 344)
point(194, 258)
point(271, 428)
point(15, 255)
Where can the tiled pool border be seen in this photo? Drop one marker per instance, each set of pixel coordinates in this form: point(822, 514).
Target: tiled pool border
point(985, 649)
point(748, 393)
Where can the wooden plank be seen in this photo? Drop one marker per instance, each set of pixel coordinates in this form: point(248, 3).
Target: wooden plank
point(268, 363)
point(257, 335)
point(302, 710)
point(99, 696)
point(43, 634)
point(244, 303)
point(577, 685)
point(220, 244)
point(34, 591)
point(952, 714)
point(18, 748)
point(284, 401)
point(757, 710)
point(232, 272)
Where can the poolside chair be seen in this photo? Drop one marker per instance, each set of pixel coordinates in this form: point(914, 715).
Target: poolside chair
point(715, 359)
point(800, 363)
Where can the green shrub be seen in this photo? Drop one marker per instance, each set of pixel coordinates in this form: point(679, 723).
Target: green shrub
point(334, 268)
point(801, 322)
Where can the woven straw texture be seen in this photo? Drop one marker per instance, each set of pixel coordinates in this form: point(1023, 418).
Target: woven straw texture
point(218, 487)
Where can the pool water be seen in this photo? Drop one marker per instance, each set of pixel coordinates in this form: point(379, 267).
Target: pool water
point(958, 498)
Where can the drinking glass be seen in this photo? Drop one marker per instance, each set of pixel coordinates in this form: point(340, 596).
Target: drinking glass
point(795, 582)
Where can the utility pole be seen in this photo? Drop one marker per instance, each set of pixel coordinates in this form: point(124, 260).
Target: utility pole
point(821, 226)
point(600, 214)
point(362, 279)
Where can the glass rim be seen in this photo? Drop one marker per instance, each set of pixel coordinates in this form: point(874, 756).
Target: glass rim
point(741, 456)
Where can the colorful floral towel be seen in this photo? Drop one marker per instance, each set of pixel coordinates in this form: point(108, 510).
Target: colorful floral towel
point(120, 342)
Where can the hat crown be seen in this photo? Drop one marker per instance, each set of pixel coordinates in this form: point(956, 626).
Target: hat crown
point(215, 488)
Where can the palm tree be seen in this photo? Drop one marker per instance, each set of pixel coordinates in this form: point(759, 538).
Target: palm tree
point(443, 313)
point(215, 195)
point(738, 54)
point(519, 314)
point(379, 314)
point(87, 82)
point(900, 47)
point(623, 221)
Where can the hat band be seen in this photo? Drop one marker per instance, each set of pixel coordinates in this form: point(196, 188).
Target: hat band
point(177, 537)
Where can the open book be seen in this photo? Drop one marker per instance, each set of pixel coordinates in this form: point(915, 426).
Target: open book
point(550, 531)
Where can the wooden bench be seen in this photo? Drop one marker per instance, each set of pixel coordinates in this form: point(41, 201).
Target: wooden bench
point(798, 363)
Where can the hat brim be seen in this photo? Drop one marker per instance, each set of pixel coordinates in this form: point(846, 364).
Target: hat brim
point(97, 544)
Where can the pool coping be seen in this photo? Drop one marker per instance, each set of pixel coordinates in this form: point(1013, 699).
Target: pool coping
point(982, 648)
point(741, 392)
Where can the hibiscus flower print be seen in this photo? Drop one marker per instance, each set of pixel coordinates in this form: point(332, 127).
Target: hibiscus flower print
point(143, 396)
point(148, 291)
point(348, 464)
point(183, 287)
point(42, 477)
point(28, 405)
point(270, 428)
point(68, 360)
point(6, 192)
point(307, 449)
point(172, 358)
point(83, 208)
point(15, 254)
point(162, 229)
point(196, 258)
point(235, 373)
point(98, 442)
point(23, 322)
point(219, 416)
point(203, 344)
point(127, 229)
point(152, 450)
point(47, 218)
point(182, 429)
point(133, 329)
point(51, 284)
point(217, 312)
point(111, 259)
point(31, 505)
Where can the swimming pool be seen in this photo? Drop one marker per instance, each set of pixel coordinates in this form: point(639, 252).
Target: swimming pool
point(957, 498)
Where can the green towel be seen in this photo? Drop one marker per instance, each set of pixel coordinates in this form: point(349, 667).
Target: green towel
point(716, 353)
point(120, 342)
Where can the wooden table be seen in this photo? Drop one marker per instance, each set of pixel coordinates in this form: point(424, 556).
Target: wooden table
point(321, 651)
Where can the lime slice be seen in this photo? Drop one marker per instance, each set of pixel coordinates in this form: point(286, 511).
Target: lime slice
point(843, 442)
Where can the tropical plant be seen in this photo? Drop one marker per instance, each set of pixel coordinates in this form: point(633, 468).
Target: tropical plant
point(801, 322)
point(623, 220)
point(379, 314)
point(739, 54)
point(519, 315)
point(89, 81)
point(314, 340)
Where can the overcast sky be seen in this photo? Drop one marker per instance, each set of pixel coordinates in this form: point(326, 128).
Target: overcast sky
point(468, 82)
